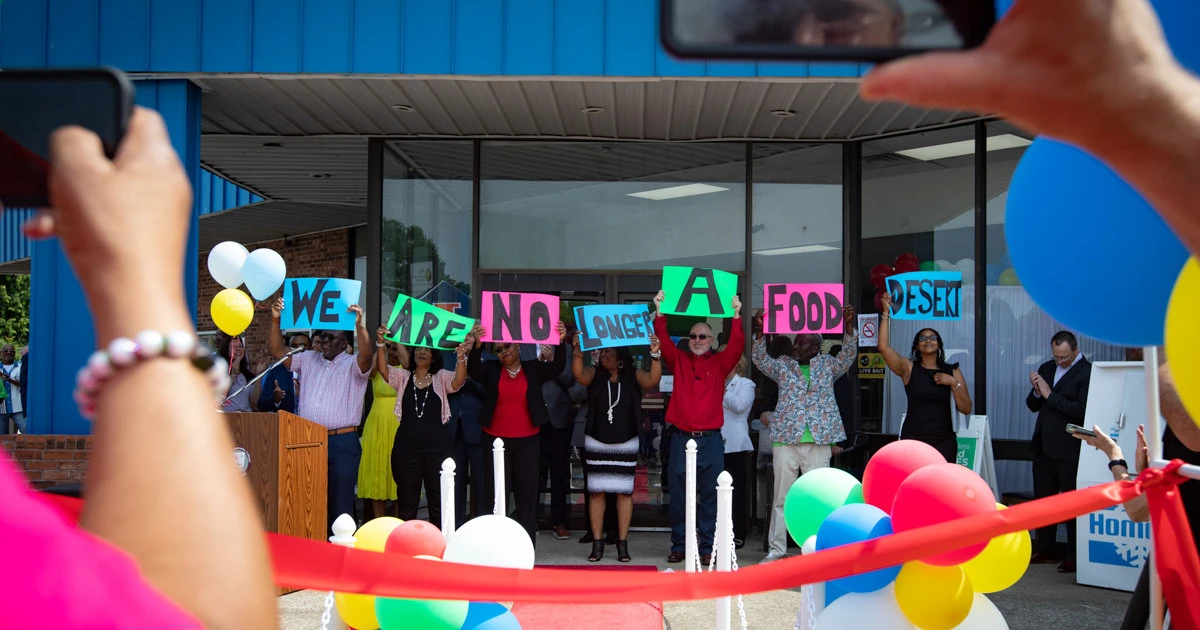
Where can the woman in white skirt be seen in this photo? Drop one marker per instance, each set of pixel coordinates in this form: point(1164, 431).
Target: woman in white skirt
point(610, 437)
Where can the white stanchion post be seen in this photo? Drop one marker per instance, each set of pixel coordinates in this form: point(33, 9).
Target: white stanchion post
point(343, 535)
point(498, 474)
point(812, 596)
point(1154, 450)
point(448, 515)
point(724, 542)
point(690, 544)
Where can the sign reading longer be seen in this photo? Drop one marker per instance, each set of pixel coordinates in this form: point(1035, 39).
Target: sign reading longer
point(922, 295)
point(520, 317)
point(320, 303)
point(415, 323)
point(610, 325)
point(803, 308)
point(698, 292)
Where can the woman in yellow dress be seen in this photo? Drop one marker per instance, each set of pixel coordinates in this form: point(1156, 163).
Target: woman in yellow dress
point(375, 483)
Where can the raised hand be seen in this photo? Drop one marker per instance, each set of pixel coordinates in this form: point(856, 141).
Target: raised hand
point(277, 308)
point(1142, 457)
point(848, 314)
point(360, 318)
point(575, 342)
point(655, 346)
point(886, 300)
point(737, 306)
point(465, 347)
point(562, 330)
point(757, 320)
point(381, 334)
point(658, 300)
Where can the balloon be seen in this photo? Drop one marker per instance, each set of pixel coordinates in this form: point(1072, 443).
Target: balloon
point(967, 267)
point(1002, 562)
point(938, 494)
point(907, 265)
point(879, 273)
point(984, 616)
point(415, 538)
point(358, 611)
point(423, 614)
point(851, 524)
point(877, 611)
point(928, 265)
point(906, 256)
point(814, 496)
point(945, 265)
point(1058, 189)
point(833, 593)
point(373, 534)
point(490, 616)
point(934, 598)
point(491, 541)
point(231, 311)
point(891, 465)
point(1181, 320)
point(1008, 278)
point(225, 263)
point(993, 274)
point(264, 272)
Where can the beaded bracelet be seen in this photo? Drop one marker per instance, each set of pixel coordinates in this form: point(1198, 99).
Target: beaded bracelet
point(149, 344)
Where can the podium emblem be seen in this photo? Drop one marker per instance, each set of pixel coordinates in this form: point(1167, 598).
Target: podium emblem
point(242, 458)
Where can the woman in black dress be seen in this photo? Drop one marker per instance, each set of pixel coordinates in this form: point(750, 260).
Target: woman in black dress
point(930, 383)
point(610, 437)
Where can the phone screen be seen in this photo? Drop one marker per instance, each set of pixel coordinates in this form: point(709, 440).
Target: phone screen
point(825, 30)
point(38, 102)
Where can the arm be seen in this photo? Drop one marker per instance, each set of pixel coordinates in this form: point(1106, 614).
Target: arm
point(1034, 400)
point(460, 366)
point(583, 375)
point(740, 398)
point(1172, 409)
point(476, 369)
point(1137, 508)
point(773, 369)
point(962, 396)
point(845, 359)
point(275, 338)
point(900, 366)
point(670, 353)
point(549, 370)
point(366, 351)
point(566, 378)
point(732, 352)
point(649, 380)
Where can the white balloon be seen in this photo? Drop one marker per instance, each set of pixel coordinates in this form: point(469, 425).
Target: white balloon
point(967, 267)
point(945, 265)
point(264, 272)
point(877, 611)
point(809, 546)
point(491, 541)
point(984, 616)
point(225, 263)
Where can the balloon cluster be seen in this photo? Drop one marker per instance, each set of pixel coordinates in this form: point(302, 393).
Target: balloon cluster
point(490, 540)
point(231, 265)
point(906, 485)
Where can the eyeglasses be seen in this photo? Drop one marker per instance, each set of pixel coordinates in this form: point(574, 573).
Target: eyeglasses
point(327, 335)
point(700, 337)
point(927, 338)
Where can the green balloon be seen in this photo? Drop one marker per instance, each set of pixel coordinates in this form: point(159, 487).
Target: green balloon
point(929, 265)
point(814, 496)
point(1008, 278)
point(430, 614)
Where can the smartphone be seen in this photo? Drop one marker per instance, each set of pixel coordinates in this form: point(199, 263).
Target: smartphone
point(1074, 428)
point(34, 103)
point(821, 30)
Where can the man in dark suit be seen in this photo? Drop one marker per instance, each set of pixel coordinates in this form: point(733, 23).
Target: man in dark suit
point(556, 438)
point(1059, 397)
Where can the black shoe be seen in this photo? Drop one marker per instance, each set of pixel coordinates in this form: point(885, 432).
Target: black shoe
point(586, 537)
point(623, 551)
point(738, 543)
point(597, 551)
point(675, 557)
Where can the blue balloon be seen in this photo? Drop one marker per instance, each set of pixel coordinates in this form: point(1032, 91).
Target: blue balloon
point(490, 616)
point(1179, 19)
point(851, 524)
point(1066, 207)
point(993, 274)
point(832, 593)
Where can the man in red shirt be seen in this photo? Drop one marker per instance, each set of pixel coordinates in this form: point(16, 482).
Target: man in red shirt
point(696, 412)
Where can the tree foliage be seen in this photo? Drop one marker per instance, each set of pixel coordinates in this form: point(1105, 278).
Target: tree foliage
point(14, 310)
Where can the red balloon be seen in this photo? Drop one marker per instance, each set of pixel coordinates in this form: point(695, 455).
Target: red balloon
point(908, 256)
point(879, 273)
point(907, 265)
point(879, 303)
point(889, 467)
point(938, 494)
point(416, 538)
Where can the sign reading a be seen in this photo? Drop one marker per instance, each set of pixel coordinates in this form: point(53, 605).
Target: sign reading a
point(320, 303)
point(415, 323)
point(923, 295)
point(803, 308)
point(520, 317)
point(698, 292)
point(610, 326)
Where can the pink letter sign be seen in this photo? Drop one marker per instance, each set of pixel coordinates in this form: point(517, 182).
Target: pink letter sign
point(802, 308)
point(520, 317)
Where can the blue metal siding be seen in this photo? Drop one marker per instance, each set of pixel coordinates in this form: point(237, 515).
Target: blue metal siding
point(215, 194)
point(13, 244)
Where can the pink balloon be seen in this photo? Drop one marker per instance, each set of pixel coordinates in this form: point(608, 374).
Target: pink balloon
point(416, 538)
point(889, 467)
point(938, 494)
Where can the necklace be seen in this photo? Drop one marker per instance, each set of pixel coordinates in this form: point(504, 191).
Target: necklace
point(423, 380)
point(421, 408)
point(613, 405)
point(514, 373)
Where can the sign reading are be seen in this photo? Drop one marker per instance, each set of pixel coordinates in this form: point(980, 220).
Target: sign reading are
point(922, 295)
point(698, 292)
point(520, 317)
point(803, 308)
point(611, 326)
point(321, 303)
point(415, 323)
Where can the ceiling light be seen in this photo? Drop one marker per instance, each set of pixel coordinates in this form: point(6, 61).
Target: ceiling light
point(592, 110)
point(801, 249)
point(320, 175)
point(674, 192)
point(783, 113)
point(271, 145)
point(403, 108)
point(964, 147)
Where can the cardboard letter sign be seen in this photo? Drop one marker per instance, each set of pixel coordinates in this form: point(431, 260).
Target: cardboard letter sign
point(415, 323)
point(924, 295)
point(698, 292)
point(520, 317)
point(802, 308)
point(610, 326)
point(319, 303)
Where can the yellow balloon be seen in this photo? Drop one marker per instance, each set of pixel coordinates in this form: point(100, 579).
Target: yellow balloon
point(1181, 324)
point(232, 311)
point(1008, 278)
point(373, 534)
point(358, 611)
point(934, 598)
point(1002, 562)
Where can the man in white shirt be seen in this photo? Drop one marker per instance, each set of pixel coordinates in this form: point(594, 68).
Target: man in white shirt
point(13, 415)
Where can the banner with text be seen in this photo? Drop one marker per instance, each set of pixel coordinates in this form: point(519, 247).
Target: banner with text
point(923, 295)
point(520, 317)
point(612, 325)
point(803, 308)
point(319, 303)
point(415, 323)
point(698, 292)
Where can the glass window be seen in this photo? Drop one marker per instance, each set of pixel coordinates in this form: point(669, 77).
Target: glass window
point(592, 205)
point(427, 224)
point(918, 197)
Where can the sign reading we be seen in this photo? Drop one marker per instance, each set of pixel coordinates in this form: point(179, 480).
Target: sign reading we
point(415, 323)
point(611, 326)
point(321, 303)
point(520, 317)
point(698, 292)
point(922, 295)
point(803, 308)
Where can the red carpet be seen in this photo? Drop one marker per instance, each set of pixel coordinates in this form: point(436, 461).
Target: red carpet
point(643, 615)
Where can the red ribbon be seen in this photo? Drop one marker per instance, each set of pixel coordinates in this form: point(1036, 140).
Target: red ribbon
point(1175, 556)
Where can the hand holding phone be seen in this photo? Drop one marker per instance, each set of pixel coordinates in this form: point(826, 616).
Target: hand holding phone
point(1074, 428)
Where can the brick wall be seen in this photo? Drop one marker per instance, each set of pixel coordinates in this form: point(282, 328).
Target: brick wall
point(321, 255)
point(50, 460)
